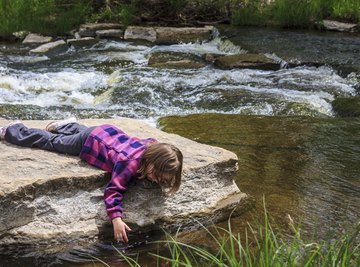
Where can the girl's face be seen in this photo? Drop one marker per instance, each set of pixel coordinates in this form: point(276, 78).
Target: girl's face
point(164, 178)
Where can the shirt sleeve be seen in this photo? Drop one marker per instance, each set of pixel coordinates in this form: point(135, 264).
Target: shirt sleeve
point(122, 174)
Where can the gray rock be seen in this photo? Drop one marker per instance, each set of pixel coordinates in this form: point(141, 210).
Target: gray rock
point(169, 35)
point(333, 25)
point(140, 33)
point(54, 201)
point(86, 41)
point(111, 34)
point(246, 61)
point(89, 29)
point(172, 35)
point(77, 35)
point(175, 60)
point(34, 38)
point(51, 48)
point(20, 34)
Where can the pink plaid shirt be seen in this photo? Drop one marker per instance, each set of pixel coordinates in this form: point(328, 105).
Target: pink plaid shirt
point(111, 150)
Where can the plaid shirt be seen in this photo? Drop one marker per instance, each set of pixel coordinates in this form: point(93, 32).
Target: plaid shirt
point(111, 150)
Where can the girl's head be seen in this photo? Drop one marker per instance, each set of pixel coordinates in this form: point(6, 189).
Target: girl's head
point(162, 163)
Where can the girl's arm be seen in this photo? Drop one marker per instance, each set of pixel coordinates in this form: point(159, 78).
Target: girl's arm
point(113, 195)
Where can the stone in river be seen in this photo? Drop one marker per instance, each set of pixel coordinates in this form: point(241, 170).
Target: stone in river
point(246, 61)
point(59, 46)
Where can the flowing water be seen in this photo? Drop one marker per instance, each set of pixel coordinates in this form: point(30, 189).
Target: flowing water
point(294, 151)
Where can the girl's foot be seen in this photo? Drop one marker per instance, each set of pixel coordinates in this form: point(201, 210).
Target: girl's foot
point(2, 132)
point(54, 125)
point(4, 128)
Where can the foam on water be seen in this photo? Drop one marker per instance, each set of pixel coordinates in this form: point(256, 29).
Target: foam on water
point(216, 46)
point(75, 80)
point(52, 88)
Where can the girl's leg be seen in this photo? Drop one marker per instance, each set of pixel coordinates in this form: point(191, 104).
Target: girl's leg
point(19, 134)
point(71, 128)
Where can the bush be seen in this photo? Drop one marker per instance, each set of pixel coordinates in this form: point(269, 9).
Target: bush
point(42, 16)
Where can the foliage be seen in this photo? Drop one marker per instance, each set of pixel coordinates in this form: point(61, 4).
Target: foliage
point(347, 9)
point(44, 16)
point(296, 13)
point(250, 14)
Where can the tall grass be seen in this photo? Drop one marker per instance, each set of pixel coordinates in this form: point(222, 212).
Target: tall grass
point(43, 16)
point(260, 246)
point(297, 13)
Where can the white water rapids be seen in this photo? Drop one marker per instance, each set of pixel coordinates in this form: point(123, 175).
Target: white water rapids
point(113, 77)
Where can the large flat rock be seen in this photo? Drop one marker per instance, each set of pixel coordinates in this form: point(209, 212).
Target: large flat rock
point(55, 200)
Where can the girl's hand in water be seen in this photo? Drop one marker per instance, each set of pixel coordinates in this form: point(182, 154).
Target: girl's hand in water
point(120, 229)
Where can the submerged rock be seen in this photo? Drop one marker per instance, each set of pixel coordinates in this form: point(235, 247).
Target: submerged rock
point(246, 61)
point(55, 202)
point(347, 106)
point(51, 48)
point(175, 60)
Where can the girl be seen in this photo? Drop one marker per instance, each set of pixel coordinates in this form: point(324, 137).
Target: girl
point(110, 149)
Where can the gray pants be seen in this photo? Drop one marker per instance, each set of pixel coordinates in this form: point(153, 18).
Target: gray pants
point(68, 139)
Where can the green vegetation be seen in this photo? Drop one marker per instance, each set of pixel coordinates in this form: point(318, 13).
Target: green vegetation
point(44, 16)
point(260, 246)
point(296, 13)
point(60, 16)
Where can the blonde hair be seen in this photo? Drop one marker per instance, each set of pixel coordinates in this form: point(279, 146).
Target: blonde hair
point(165, 159)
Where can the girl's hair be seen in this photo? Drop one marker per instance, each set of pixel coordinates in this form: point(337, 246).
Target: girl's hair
point(164, 160)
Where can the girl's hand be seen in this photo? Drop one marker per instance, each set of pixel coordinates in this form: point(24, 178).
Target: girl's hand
point(120, 229)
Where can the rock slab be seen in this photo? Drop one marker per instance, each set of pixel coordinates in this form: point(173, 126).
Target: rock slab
point(246, 61)
point(55, 201)
point(333, 25)
point(51, 48)
point(34, 38)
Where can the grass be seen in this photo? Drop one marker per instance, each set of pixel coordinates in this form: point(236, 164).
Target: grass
point(261, 246)
point(43, 16)
point(58, 17)
point(297, 13)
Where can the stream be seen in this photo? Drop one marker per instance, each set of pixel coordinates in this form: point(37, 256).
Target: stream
point(292, 148)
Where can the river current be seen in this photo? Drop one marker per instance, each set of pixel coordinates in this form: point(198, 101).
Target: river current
point(291, 146)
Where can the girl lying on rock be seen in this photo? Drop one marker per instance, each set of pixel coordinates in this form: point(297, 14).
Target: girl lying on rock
point(109, 149)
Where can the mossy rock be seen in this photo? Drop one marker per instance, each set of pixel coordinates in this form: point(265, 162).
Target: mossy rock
point(175, 60)
point(347, 106)
point(246, 61)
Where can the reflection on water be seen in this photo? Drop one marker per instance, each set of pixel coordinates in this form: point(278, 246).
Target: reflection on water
point(306, 167)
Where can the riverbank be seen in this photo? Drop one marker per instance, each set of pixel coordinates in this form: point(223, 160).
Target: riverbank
point(55, 18)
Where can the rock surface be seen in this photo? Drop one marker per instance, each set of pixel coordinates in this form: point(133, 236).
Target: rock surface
point(169, 35)
point(54, 201)
point(89, 29)
point(246, 61)
point(34, 38)
point(333, 25)
point(51, 48)
point(112, 34)
point(172, 35)
point(85, 41)
point(140, 33)
point(175, 60)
